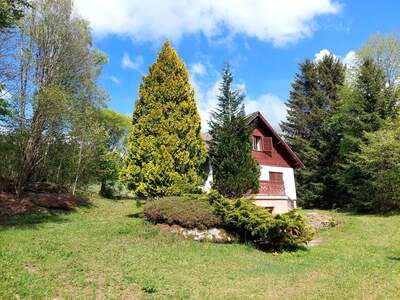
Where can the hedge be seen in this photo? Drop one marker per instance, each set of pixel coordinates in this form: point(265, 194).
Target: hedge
point(188, 211)
point(241, 216)
point(264, 229)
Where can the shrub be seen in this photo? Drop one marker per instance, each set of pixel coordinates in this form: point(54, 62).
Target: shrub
point(282, 231)
point(188, 211)
point(377, 171)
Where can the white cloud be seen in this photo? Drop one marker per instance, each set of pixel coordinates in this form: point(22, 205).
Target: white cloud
point(128, 63)
point(6, 95)
point(115, 79)
point(321, 54)
point(198, 69)
point(350, 59)
point(270, 106)
point(279, 22)
point(207, 102)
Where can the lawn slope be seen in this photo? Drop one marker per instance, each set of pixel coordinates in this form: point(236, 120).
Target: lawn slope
point(107, 252)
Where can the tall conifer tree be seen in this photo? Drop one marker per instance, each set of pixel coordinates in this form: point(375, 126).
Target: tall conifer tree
point(165, 148)
point(299, 132)
point(312, 102)
point(235, 170)
point(365, 107)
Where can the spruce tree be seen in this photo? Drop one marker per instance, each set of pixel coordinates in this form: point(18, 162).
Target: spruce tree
point(311, 105)
point(235, 171)
point(300, 132)
point(331, 78)
point(365, 107)
point(165, 148)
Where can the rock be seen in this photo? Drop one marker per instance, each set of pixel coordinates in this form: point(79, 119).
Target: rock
point(215, 235)
point(314, 242)
point(318, 221)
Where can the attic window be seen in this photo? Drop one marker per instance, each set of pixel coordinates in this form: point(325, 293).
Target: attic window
point(257, 143)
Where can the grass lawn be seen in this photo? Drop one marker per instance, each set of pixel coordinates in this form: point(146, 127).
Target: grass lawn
point(105, 252)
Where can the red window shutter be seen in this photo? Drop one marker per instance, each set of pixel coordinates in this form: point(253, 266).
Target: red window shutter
point(267, 144)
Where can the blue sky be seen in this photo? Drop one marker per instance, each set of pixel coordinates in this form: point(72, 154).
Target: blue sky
point(263, 40)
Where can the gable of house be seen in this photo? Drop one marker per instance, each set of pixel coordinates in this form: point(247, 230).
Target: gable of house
point(268, 147)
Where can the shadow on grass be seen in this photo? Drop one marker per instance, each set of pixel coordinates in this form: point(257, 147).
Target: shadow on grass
point(30, 221)
point(394, 258)
point(137, 215)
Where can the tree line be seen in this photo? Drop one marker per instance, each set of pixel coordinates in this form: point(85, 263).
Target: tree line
point(343, 123)
point(54, 122)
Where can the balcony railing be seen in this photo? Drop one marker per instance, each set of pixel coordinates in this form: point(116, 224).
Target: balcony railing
point(272, 188)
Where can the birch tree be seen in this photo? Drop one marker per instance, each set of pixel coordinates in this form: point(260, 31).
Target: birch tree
point(58, 68)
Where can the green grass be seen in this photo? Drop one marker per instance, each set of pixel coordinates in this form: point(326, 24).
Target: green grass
point(105, 252)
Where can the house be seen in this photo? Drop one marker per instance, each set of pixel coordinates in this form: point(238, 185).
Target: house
point(277, 163)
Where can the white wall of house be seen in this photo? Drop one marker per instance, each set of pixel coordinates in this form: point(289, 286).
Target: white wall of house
point(208, 184)
point(279, 206)
point(288, 178)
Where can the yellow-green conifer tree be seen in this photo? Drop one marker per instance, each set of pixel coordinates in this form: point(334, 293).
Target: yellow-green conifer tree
point(165, 148)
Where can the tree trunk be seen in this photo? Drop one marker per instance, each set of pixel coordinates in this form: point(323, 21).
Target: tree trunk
point(78, 168)
point(30, 153)
point(58, 172)
point(103, 188)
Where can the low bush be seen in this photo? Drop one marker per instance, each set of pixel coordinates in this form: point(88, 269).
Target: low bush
point(186, 211)
point(281, 231)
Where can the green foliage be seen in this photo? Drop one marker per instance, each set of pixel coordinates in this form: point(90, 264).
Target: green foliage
point(385, 51)
point(312, 102)
point(165, 148)
point(281, 231)
point(116, 126)
point(4, 110)
point(187, 211)
point(149, 287)
point(4, 106)
point(11, 11)
point(365, 105)
point(377, 167)
point(53, 131)
point(235, 171)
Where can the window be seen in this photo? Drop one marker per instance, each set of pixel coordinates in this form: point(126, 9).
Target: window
point(276, 176)
point(257, 143)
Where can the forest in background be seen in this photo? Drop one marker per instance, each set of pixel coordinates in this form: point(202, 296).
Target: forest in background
point(343, 121)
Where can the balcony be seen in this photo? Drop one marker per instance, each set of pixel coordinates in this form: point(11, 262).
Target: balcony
point(272, 188)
